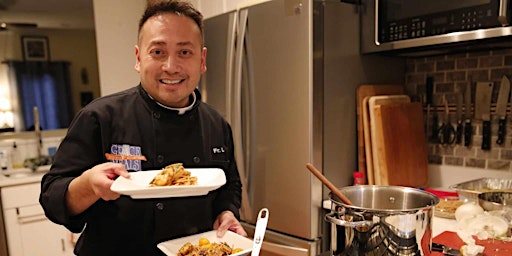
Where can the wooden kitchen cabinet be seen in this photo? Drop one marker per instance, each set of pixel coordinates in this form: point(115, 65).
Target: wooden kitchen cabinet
point(27, 229)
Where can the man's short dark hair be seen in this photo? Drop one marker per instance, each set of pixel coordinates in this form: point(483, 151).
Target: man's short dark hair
point(172, 6)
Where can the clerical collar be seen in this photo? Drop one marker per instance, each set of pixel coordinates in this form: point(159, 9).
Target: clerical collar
point(181, 111)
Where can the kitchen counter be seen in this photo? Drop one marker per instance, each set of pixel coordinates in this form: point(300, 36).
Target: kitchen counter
point(442, 224)
point(23, 176)
point(444, 176)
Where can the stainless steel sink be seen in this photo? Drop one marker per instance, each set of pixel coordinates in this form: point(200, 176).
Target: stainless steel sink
point(25, 172)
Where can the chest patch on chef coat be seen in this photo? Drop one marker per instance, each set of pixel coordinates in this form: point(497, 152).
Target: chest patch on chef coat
point(130, 156)
point(218, 150)
point(219, 153)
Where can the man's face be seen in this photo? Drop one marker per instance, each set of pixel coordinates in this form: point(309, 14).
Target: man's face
point(170, 58)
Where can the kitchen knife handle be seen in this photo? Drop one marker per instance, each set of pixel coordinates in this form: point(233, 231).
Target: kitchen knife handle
point(446, 134)
point(437, 247)
point(458, 133)
point(468, 132)
point(435, 128)
point(502, 129)
point(430, 89)
point(486, 135)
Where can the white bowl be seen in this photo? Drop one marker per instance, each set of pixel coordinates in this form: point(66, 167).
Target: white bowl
point(234, 240)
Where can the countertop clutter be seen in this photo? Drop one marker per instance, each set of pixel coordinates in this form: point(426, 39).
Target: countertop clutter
point(446, 181)
point(473, 226)
point(444, 231)
point(473, 233)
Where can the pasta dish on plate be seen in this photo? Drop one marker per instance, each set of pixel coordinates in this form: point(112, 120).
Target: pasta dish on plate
point(173, 175)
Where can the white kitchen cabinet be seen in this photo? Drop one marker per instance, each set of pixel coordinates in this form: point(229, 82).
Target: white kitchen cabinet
point(27, 229)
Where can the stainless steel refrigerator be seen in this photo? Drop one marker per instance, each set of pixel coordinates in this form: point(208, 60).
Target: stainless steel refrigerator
point(284, 73)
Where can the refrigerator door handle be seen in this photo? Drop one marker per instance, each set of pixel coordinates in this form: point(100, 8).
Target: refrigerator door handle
point(230, 63)
point(236, 114)
point(279, 249)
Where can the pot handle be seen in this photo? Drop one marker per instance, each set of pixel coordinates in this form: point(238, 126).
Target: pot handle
point(351, 224)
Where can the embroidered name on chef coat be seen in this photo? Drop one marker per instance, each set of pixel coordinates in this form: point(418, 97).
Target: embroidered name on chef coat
point(218, 153)
point(218, 150)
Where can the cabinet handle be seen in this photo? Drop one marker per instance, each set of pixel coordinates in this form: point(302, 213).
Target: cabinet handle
point(63, 243)
point(29, 219)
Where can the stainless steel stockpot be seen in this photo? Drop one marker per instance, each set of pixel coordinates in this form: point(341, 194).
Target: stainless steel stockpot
point(383, 220)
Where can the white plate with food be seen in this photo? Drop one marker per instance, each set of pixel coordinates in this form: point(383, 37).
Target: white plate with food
point(241, 245)
point(139, 186)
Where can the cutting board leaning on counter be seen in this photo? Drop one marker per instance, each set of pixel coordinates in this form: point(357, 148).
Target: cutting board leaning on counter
point(389, 125)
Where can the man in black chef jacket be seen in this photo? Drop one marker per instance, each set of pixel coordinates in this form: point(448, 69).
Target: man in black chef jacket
point(163, 120)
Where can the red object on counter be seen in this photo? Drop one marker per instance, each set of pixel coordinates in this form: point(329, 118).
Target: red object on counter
point(441, 193)
point(358, 178)
point(493, 247)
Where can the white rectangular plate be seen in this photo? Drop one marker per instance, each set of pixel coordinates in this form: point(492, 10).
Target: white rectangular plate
point(137, 186)
point(171, 247)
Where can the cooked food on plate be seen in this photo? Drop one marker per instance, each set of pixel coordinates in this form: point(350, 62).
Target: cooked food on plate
point(206, 248)
point(447, 206)
point(174, 174)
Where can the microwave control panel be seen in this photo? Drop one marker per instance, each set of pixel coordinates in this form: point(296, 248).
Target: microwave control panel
point(436, 24)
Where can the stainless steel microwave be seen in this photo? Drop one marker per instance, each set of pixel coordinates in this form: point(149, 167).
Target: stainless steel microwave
point(404, 24)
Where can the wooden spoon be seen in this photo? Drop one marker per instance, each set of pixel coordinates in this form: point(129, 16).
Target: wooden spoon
point(331, 187)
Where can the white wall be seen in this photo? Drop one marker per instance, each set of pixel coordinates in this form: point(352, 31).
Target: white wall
point(116, 24)
point(211, 8)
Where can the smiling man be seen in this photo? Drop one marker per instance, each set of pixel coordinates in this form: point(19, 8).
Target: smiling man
point(157, 123)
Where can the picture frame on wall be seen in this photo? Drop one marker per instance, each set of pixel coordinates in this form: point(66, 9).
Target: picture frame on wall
point(35, 48)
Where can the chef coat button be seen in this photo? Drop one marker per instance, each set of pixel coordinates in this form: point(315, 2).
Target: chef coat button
point(156, 115)
point(160, 206)
point(160, 159)
point(196, 159)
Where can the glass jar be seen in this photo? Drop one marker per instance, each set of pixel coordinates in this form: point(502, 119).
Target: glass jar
point(358, 178)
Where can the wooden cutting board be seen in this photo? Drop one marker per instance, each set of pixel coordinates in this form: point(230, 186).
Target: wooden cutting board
point(367, 141)
point(400, 145)
point(374, 131)
point(362, 92)
point(493, 247)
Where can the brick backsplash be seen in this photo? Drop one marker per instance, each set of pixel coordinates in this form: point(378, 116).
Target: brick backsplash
point(451, 75)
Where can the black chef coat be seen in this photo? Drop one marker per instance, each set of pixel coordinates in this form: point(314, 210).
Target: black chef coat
point(198, 138)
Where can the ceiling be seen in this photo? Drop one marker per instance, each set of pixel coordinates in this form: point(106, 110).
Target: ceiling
point(61, 14)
